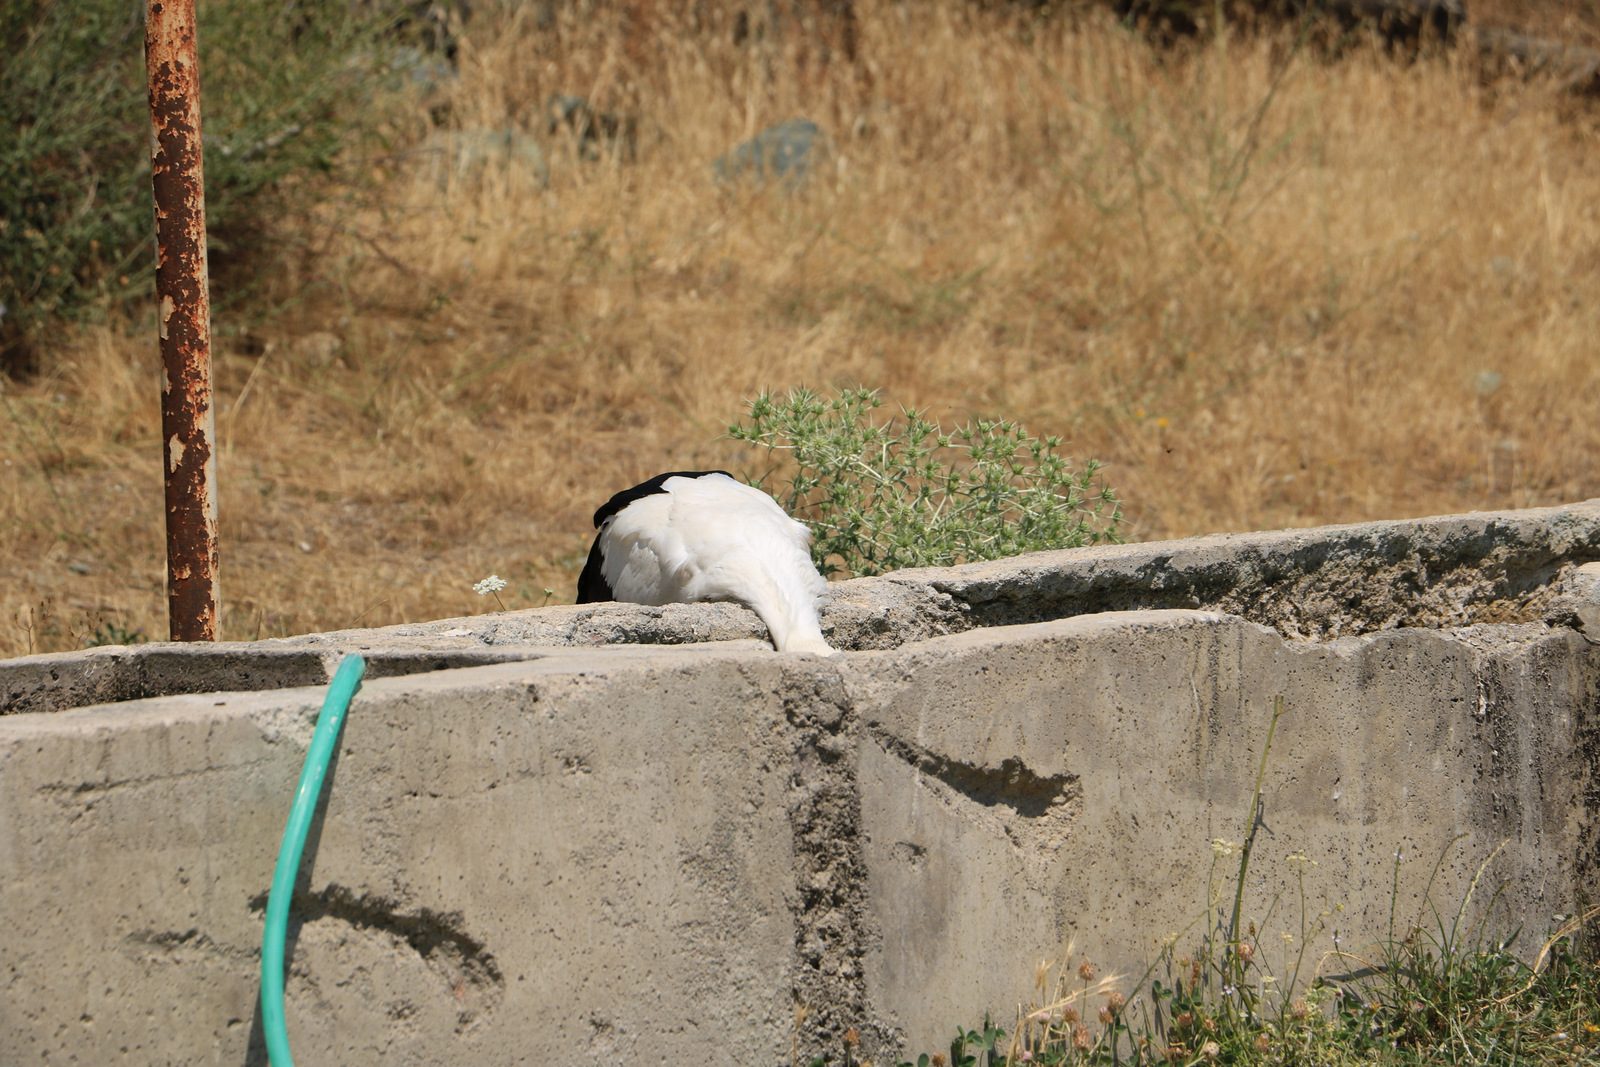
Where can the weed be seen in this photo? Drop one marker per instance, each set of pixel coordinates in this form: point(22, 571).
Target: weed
point(110, 632)
point(492, 585)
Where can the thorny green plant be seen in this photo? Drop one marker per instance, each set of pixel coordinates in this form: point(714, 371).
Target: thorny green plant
point(905, 492)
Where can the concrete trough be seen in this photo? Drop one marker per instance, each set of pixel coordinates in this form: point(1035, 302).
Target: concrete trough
point(620, 834)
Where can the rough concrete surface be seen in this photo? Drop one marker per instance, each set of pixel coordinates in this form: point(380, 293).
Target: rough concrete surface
point(537, 846)
point(1026, 788)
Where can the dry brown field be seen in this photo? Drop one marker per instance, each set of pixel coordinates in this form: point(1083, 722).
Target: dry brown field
point(1575, 22)
point(1264, 287)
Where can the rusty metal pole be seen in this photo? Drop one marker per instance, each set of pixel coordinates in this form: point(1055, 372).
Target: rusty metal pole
point(188, 426)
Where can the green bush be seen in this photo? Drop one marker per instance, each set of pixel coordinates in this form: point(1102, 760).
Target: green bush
point(282, 86)
point(907, 493)
point(74, 172)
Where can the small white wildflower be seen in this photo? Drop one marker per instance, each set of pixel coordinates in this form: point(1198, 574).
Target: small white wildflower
point(1223, 847)
point(1268, 979)
point(492, 584)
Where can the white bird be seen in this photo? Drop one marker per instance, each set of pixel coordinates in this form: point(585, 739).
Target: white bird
point(688, 536)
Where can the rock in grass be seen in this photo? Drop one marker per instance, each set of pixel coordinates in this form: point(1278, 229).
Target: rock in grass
point(469, 156)
point(409, 66)
point(787, 150)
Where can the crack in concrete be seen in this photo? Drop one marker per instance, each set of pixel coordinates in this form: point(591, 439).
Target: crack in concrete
point(833, 928)
point(176, 946)
point(66, 790)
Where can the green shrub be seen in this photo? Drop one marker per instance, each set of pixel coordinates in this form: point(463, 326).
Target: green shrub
point(282, 86)
point(74, 171)
point(907, 493)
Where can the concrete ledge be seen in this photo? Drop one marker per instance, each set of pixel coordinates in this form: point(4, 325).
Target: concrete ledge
point(1311, 584)
point(1320, 583)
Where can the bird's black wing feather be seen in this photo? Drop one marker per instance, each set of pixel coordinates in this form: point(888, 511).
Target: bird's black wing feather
point(592, 585)
point(643, 489)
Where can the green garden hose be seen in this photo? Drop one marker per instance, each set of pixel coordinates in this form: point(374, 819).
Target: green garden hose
point(346, 680)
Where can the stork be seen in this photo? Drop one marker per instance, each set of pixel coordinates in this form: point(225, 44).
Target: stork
point(687, 536)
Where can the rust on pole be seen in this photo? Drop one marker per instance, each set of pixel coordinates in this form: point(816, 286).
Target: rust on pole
point(188, 427)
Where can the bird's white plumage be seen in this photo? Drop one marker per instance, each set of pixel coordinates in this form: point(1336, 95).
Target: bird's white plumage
point(713, 538)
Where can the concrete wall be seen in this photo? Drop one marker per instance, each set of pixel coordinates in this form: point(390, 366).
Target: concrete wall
point(1030, 786)
point(537, 846)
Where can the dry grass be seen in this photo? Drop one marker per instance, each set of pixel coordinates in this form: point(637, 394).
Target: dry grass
point(1266, 290)
point(1573, 21)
